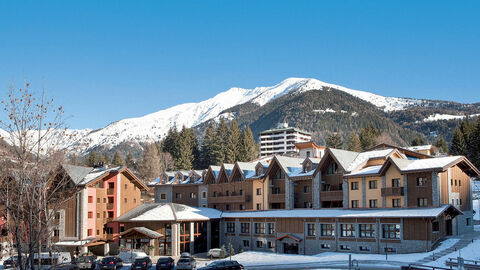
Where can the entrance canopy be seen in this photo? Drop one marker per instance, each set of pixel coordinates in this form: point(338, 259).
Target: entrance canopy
point(140, 232)
point(288, 236)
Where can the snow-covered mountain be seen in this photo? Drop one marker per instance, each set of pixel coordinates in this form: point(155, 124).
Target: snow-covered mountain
point(154, 126)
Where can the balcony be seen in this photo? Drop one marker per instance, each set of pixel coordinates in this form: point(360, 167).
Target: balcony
point(334, 195)
point(229, 199)
point(276, 198)
point(110, 191)
point(109, 206)
point(392, 191)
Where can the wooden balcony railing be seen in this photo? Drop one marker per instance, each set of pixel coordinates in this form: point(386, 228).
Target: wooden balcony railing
point(276, 198)
point(334, 195)
point(109, 206)
point(392, 191)
point(110, 191)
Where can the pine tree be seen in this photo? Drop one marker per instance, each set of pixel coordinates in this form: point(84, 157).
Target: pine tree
point(184, 158)
point(248, 149)
point(233, 144)
point(473, 146)
point(334, 141)
point(417, 141)
point(441, 144)
point(102, 159)
point(354, 143)
point(207, 146)
point(91, 159)
point(117, 159)
point(169, 143)
point(130, 162)
point(368, 136)
point(219, 145)
point(457, 145)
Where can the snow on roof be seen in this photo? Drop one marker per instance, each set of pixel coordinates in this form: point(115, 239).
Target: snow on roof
point(168, 212)
point(97, 172)
point(228, 168)
point(425, 164)
point(366, 171)
point(154, 182)
point(315, 160)
point(339, 213)
point(365, 156)
point(290, 164)
point(77, 173)
point(420, 147)
point(344, 157)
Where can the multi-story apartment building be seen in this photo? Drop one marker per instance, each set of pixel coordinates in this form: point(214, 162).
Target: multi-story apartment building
point(281, 140)
point(105, 194)
point(386, 199)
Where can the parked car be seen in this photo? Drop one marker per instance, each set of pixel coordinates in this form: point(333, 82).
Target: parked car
point(86, 262)
point(223, 265)
point(166, 263)
point(185, 255)
point(216, 253)
point(64, 266)
point(186, 263)
point(10, 262)
point(143, 263)
point(110, 263)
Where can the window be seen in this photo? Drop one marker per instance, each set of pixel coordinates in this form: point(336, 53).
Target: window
point(373, 203)
point(56, 233)
point(204, 194)
point(258, 171)
point(214, 194)
point(354, 203)
point(332, 168)
point(230, 227)
point(259, 191)
point(306, 189)
point(163, 196)
point(307, 204)
point(204, 205)
point(104, 200)
point(396, 203)
point(270, 228)
point(435, 226)
point(98, 215)
point(178, 195)
point(270, 244)
point(227, 193)
point(259, 244)
point(459, 182)
point(455, 182)
point(308, 153)
point(276, 190)
point(98, 200)
point(451, 182)
point(325, 246)
point(242, 207)
point(193, 195)
point(390, 250)
point(391, 231)
point(90, 214)
point(422, 181)
point(460, 201)
point(354, 186)
point(259, 206)
point(240, 192)
point(347, 230)
point(104, 214)
point(246, 243)
point(327, 230)
point(134, 200)
point(57, 215)
point(364, 248)
point(468, 221)
point(260, 228)
point(344, 247)
point(367, 230)
point(90, 199)
point(109, 230)
point(126, 186)
point(245, 227)
point(98, 232)
point(372, 184)
point(421, 202)
point(227, 207)
point(396, 182)
point(311, 229)
point(125, 200)
point(89, 232)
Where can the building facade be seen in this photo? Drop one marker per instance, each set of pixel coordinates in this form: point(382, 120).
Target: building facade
point(281, 140)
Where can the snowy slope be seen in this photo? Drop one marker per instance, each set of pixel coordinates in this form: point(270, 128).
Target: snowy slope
point(154, 126)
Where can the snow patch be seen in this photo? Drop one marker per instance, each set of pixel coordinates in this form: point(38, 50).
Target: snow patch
point(437, 117)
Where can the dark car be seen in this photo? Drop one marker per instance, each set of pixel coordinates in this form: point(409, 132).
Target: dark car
point(10, 262)
point(186, 263)
point(85, 262)
point(64, 266)
point(223, 265)
point(143, 263)
point(110, 263)
point(165, 264)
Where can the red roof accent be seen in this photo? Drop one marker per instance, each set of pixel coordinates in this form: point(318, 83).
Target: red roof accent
point(311, 144)
point(289, 236)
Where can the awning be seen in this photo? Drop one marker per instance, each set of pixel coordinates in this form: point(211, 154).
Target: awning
point(137, 232)
point(96, 243)
point(288, 236)
point(73, 243)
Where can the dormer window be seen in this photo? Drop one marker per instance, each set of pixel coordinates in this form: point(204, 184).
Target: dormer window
point(308, 154)
point(332, 168)
point(258, 171)
point(307, 167)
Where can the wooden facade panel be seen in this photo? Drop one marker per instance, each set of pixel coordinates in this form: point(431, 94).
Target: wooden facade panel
point(302, 197)
point(415, 192)
point(71, 217)
point(289, 225)
point(390, 220)
point(416, 229)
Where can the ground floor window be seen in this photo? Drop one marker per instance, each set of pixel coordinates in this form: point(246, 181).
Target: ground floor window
point(391, 231)
point(347, 230)
point(270, 244)
point(367, 230)
point(327, 230)
point(364, 248)
point(245, 227)
point(311, 229)
point(344, 247)
point(230, 227)
point(246, 243)
point(259, 244)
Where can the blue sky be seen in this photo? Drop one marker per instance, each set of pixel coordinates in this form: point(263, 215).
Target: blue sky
point(108, 60)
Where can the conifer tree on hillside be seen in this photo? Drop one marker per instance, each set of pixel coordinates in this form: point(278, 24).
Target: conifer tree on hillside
point(368, 136)
point(248, 149)
point(417, 141)
point(117, 159)
point(102, 159)
point(169, 143)
point(219, 145)
point(334, 141)
point(354, 143)
point(130, 162)
point(184, 151)
point(457, 145)
point(207, 146)
point(91, 159)
point(441, 144)
point(233, 144)
point(473, 147)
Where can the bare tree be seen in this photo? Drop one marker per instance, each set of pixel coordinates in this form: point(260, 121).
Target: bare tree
point(153, 162)
point(32, 190)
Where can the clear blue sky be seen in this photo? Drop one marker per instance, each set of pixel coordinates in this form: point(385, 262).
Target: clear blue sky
point(108, 60)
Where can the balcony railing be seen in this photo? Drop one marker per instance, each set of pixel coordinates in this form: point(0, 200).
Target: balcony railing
point(276, 198)
point(109, 206)
point(334, 195)
point(110, 191)
point(392, 191)
point(229, 199)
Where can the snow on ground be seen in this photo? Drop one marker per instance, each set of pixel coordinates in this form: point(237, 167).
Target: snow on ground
point(476, 208)
point(437, 116)
point(255, 258)
point(469, 252)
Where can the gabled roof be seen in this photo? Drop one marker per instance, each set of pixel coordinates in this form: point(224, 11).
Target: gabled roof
point(370, 170)
point(168, 212)
point(405, 151)
point(228, 168)
point(143, 231)
point(310, 144)
point(246, 169)
point(76, 173)
point(363, 157)
point(420, 147)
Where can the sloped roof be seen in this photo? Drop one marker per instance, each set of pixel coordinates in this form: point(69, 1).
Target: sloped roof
point(365, 156)
point(425, 164)
point(168, 212)
point(247, 168)
point(142, 230)
point(420, 147)
point(343, 157)
point(76, 173)
point(366, 171)
point(290, 164)
point(98, 172)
